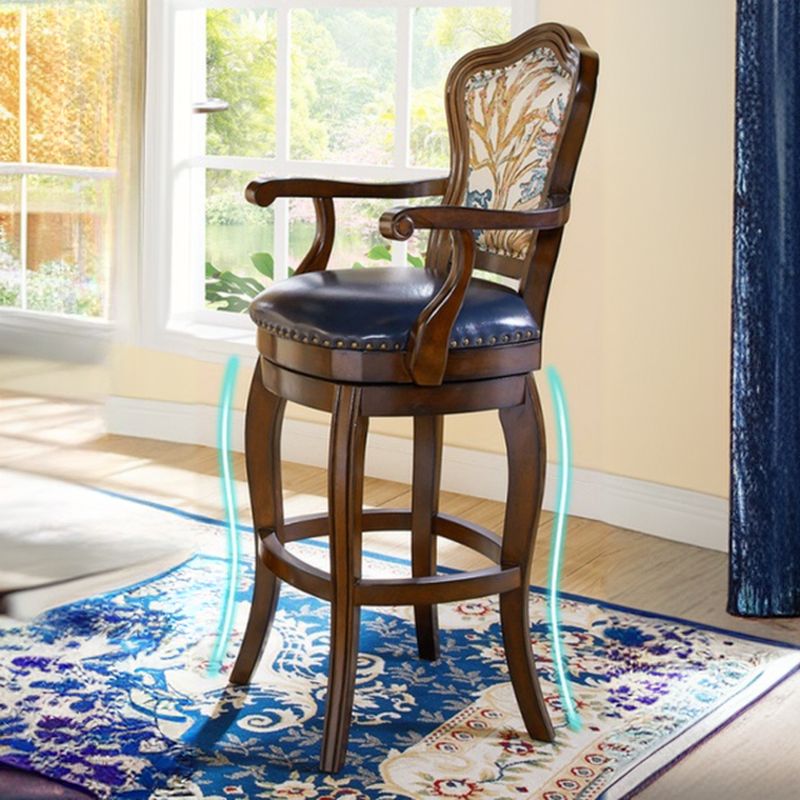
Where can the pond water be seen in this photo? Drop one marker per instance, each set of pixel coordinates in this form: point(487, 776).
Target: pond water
point(229, 247)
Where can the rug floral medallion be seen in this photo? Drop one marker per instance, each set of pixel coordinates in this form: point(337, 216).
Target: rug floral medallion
point(113, 694)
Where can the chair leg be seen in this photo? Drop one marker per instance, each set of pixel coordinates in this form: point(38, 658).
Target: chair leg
point(345, 492)
point(263, 421)
point(424, 507)
point(523, 429)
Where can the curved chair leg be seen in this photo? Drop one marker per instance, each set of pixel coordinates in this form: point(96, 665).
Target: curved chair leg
point(345, 492)
point(424, 507)
point(523, 429)
point(263, 422)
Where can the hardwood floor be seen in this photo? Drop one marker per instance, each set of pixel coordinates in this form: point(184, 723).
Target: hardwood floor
point(755, 756)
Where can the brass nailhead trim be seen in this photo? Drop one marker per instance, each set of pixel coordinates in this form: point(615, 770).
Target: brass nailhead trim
point(358, 345)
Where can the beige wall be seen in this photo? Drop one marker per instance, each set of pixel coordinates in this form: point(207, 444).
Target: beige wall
point(54, 378)
point(638, 323)
point(640, 312)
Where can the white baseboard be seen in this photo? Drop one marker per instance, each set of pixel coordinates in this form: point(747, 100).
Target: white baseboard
point(665, 511)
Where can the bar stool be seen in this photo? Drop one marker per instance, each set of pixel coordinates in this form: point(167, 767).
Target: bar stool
point(424, 343)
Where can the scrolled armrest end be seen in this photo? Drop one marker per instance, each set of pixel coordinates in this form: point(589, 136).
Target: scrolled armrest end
point(261, 192)
point(396, 224)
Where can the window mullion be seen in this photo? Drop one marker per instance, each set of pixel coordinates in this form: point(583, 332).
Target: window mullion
point(282, 71)
point(65, 170)
point(282, 133)
point(402, 90)
point(23, 242)
point(198, 82)
point(311, 169)
point(23, 156)
point(402, 120)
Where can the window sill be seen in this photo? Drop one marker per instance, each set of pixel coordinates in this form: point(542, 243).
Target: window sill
point(207, 339)
point(57, 337)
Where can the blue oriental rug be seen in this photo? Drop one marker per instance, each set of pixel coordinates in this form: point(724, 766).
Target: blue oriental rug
point(112, 694)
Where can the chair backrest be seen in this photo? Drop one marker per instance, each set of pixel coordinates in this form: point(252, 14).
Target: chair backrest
point(517, 116)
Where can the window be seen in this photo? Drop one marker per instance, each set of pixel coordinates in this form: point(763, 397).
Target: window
point(58, 152)
point(329, 88)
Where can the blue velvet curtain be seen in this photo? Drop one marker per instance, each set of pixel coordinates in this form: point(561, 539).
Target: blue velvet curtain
point(765, 431)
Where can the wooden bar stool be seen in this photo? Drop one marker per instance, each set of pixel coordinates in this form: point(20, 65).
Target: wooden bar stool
point(424, 343)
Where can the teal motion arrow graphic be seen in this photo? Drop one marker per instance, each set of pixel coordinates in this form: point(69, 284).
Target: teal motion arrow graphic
point(229, 501)
point(558, 539)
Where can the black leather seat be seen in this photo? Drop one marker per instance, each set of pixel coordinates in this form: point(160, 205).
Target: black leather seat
point(375, 308)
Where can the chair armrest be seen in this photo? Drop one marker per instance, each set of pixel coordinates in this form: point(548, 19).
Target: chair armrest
point(399, 223)
point(429, 340)
point(264, 191)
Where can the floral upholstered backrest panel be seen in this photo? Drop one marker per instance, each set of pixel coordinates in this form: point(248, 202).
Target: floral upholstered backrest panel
point(514, 115)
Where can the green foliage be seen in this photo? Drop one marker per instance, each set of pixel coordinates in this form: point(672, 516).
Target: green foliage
point(430, 142)
point(9, 293)
point(264, 263)
point(380, 253)
point(56, 287)
point(227, 291)
point(230, 208)
point(467, 28)
point(441, 36)
point(231, 292)
point(9, 271)
point(8, 260)
point(241, 68)
point(342, 84)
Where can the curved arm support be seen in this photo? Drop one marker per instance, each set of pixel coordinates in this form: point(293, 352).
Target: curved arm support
point(264, 191)
point(316, 259)
point(429, 340)
point(399, 223)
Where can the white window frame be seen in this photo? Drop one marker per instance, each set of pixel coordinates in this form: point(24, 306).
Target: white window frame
point(171, 315)
point(23, 331)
